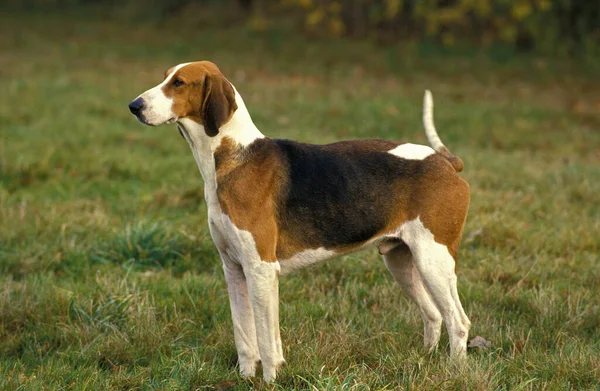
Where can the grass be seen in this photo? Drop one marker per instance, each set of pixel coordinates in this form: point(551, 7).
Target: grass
point(109, 278)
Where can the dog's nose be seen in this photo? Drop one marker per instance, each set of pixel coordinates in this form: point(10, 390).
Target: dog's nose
point(136, 106)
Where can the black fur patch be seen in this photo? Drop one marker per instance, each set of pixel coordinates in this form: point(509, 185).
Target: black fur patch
point(341, 194)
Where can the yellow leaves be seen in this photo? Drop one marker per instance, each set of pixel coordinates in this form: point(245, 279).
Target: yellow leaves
point(336, 27)
point(497, 20)
point(544, 5)
point(481, 8)
point(324, 15)
point(508, 33)
point(315, 17)
point(521, 10)
point(448, 39)
point(448, 22)
point(451, 16)
point(258, 22)
point(335, 7)
point(392, 8)
point(306, 4)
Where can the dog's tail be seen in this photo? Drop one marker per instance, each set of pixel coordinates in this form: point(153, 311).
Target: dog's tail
point(432, 135)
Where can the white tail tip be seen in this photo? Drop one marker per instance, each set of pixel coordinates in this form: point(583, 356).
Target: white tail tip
point(430, 132)
point(428, 100)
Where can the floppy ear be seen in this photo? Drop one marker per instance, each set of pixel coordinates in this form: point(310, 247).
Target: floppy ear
point(218, 104)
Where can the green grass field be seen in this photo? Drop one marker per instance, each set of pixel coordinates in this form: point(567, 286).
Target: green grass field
point(109, 279)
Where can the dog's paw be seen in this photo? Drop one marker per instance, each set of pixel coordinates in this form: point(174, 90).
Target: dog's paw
point(270, 373)
point(248, 369)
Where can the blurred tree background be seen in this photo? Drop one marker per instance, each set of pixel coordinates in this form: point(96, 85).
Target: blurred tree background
point(545, 25)
point(567, 27)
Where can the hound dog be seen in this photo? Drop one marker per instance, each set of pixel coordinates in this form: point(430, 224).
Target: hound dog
point(279, 205)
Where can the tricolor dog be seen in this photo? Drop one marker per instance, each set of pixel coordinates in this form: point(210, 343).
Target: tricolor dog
point(278, 205)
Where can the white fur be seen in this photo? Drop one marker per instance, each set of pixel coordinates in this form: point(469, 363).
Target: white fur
point(412, 151)
point(430, 131)
point(240, 127)
point(436, 267)
point(399, 262)
point(306, 258)
point(242, 315)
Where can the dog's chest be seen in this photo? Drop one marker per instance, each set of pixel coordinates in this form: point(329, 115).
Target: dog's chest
point(234, 245)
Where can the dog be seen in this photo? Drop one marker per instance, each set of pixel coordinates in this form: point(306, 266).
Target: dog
point(278, 205)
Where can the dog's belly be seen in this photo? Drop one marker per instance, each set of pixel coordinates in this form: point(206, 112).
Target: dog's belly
point(384, 243)
point(306, 258)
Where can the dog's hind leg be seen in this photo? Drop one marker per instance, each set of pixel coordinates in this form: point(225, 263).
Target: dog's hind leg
point(465, 319)
point(400, 264)
point(436, 267)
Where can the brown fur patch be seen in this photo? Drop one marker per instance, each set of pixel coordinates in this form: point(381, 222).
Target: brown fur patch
point(227, 157)
point(456, 162)
point(246, 188)
point(441, 201)
point(205, 96)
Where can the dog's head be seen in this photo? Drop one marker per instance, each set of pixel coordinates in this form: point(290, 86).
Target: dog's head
point(197, 91)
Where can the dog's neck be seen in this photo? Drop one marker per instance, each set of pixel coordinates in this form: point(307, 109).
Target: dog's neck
point(240, 129)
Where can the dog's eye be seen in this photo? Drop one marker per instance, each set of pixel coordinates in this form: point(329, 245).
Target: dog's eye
point(177, 83)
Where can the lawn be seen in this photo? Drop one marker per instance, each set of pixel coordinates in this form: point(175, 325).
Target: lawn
point(109, 279)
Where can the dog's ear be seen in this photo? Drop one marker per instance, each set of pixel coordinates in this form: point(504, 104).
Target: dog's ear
point(218, 104)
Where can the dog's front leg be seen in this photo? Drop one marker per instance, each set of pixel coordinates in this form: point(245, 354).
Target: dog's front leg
point(243, 319)
point(263, 286)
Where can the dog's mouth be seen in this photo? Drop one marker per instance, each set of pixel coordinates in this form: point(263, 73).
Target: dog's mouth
point(143, 119)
